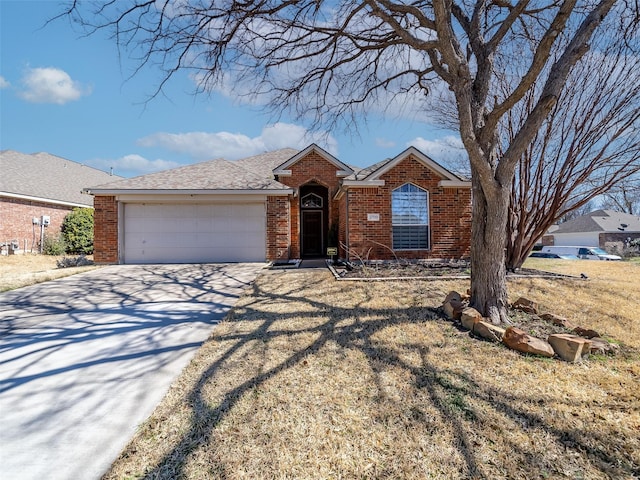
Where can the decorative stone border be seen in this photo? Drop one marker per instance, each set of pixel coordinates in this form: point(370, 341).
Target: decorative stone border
point(571, 347)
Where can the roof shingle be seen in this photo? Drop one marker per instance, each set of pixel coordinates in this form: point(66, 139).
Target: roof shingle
point(49, 177)
point(216, 174)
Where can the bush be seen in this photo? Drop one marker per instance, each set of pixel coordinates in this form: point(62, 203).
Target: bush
point(77, 230)
point(53, 245)
point(66, 262)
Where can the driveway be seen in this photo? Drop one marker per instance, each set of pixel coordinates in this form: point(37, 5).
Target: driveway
point(85, 359)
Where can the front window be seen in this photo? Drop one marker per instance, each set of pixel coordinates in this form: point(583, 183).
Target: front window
point(410, 217)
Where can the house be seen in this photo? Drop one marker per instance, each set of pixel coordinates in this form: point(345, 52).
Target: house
point(40, 187)
point(285, 204)
point(606, 229)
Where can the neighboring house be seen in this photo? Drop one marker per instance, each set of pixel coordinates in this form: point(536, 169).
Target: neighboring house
point(284, 205)
point(37, 186)
point(606, 229)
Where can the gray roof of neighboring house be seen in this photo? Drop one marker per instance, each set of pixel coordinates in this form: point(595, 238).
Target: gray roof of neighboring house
point(48, 177)
point(608, 221)
point(216, 174)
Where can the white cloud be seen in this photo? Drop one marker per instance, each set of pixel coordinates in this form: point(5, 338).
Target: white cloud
point(231, 146)
point(133, 164)
point(50, 85)
point(384, 143)
point(448, 151)
point(4, 83)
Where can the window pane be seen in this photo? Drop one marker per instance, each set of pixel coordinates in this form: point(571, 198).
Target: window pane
point(410, 237)
point(410, 218)
point(409, 206)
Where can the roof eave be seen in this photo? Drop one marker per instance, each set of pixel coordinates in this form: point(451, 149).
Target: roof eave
point(121, 191)
point(45, 200)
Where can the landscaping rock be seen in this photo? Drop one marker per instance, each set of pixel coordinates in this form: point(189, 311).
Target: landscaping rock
point(453, 309)
point(519, 340)
point(570, 348)
point(585, 332)
point(526, 305)
point(601, 346)
point(556, 320)
point(470, 316)
point(488, 331)
point(452, 295)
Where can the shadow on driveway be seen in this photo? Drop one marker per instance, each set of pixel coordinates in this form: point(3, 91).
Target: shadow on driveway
point(85, 359)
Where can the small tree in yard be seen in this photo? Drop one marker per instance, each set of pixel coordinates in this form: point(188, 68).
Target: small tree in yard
point(589, 145)
point(334, 60)
point(77, 230)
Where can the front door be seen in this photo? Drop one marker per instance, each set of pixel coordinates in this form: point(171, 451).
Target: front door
point(312, 233)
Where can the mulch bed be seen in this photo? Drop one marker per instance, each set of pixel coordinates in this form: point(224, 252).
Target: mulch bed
point(422, 269)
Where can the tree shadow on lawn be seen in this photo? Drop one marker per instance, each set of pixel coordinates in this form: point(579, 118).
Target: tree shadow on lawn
point(467, 406)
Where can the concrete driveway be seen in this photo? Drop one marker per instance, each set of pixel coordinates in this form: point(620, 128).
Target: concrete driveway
point(85, 359)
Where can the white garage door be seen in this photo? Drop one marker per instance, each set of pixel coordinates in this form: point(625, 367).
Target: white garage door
point(162, 233)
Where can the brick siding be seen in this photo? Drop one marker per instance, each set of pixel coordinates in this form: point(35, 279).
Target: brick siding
point(278, 229)
point(313, 168)
point(16, 221)
point(449, 216)
point(105, 234)
point(616, 242)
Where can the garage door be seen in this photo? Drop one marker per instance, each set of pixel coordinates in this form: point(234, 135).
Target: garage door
point(162, 233)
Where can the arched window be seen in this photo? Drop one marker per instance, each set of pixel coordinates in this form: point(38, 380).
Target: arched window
point(311, 200)
point(410, 217)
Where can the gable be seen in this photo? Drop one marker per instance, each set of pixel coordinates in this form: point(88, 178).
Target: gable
point(317, 155)
point(410, 169)
point(375, 175)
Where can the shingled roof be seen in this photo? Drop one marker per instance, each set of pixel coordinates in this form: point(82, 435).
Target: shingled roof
point(608, 221)
point(216, 175)
point(265, 163)
point(48, 178)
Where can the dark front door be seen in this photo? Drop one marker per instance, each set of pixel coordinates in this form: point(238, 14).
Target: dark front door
point(312, 229)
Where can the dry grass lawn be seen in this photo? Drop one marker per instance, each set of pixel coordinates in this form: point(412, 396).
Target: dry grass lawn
point(21, 270)
point(313, 378)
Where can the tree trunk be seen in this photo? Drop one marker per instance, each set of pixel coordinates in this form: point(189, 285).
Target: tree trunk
point(488, 245)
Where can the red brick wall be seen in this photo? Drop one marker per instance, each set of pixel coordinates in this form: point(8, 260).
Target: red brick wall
point(449, 216)
point(16, 221)
point(278, 228)
point(105, 234)
point(342, 227)
point(312, 168)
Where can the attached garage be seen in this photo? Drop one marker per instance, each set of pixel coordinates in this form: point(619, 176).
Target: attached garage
point(208, 212)
point(194, 233)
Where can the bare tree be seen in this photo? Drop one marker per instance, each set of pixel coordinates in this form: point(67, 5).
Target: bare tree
point(624, 197)
point(333, 59)
point(576, 212)
point(588, 144)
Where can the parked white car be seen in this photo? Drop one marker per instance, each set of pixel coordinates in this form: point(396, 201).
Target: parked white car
point(586, 253)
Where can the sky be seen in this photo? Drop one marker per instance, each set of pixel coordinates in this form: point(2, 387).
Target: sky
point(74, 96)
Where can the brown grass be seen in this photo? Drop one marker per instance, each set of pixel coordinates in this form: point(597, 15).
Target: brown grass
point(313, 378)
point(21, 270)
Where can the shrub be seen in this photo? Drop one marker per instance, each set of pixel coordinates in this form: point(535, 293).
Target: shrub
point(77, 229)
point(66, 262)
point(53, 245)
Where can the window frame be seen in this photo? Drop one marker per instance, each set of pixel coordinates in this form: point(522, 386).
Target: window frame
point(426, 226)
